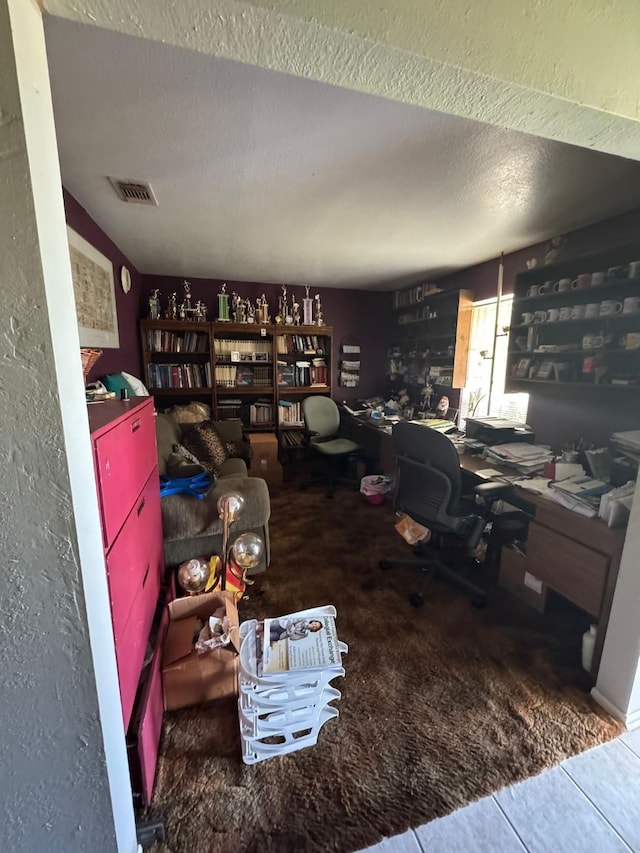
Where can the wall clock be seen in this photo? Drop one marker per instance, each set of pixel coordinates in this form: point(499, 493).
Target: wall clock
point(125, 279)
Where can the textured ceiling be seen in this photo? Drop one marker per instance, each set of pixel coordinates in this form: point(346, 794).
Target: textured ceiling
point(262, 176)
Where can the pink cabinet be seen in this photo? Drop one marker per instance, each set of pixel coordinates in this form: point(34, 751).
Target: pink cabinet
point(125, 459)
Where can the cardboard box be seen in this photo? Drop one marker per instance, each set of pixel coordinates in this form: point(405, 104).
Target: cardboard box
point(524, 585)
point(265, 462)
point(189, 678)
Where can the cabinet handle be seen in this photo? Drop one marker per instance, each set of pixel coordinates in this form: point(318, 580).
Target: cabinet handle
point(135, 426)
point(141, 506)
point(146, 574)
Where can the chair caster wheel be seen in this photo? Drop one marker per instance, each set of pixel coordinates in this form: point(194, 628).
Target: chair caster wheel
point(385, 565)
point(416, 599)
point(479, 601)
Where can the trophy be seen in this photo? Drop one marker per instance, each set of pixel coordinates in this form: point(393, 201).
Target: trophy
point(263, 310)
point(319, 318)
point(200, 312)
point(295, 312)
point(223, 304)
point(186, 309)
point(154, 305)
point(250, 311)
point(171, 313)
point(307, 308)
point(235, 307)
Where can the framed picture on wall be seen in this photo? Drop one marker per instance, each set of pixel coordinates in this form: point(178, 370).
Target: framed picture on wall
point(95, 295)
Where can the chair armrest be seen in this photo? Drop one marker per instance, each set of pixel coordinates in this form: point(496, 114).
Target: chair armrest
point(492, 491)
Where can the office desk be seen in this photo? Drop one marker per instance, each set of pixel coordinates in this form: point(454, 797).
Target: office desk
point(578, 557)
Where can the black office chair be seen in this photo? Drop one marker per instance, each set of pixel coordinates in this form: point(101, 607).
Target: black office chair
point(322, 427)
point(428, 488)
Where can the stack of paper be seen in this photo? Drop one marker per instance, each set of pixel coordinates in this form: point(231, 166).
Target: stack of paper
point(525, 458)
point(627, 442)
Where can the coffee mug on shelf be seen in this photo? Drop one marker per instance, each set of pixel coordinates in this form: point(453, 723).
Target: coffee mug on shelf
point(527, 318)
point(540, 317)
point(533, 290)
point(610, 307)
point(592, 342)
point(634, 269)
point(581, 282)
point(547, 287)
point(598, 278)
point(565, 313)
point(578, 312)
point(553, 314)
point(631, 305)
point(562, 285)
point(616, 272)
point(592, 309)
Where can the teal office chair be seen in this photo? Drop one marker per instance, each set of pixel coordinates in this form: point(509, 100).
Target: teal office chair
point(322, 425)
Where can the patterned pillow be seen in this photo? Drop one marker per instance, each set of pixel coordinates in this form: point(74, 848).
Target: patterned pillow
point(206, 445)
point(239, 450)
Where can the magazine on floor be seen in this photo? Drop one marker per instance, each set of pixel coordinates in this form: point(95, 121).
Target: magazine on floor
point(300, 641)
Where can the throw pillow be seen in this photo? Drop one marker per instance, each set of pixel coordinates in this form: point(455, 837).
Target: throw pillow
point(239, 450)
point(205, 443)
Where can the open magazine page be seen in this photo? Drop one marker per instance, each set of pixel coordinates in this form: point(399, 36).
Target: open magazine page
point(294, 643)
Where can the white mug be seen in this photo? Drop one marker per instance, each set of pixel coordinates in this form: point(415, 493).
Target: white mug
point(565, 313)
point(578, 312)
point(553, 314)
point(562, 285)
point(598, 278)
point(631, 305)
point(527, 318)
point(634, 269)
point(540, 317)
point(547, 287)
point(609, 307)
point(592, 310)
point(533, 290)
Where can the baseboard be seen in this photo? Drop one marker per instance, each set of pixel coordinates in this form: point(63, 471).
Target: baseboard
point(631, 721)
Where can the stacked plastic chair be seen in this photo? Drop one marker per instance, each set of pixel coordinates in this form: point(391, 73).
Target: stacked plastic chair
point(283, 712)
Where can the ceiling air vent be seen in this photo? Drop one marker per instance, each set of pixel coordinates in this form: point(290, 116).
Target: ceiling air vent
point(134, 192)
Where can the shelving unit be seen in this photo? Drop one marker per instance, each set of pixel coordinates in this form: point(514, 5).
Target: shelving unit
point(595, 353)
point(429, 336)
point(251, 371)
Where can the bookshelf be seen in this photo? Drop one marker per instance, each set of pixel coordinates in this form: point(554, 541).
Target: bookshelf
point(256, 373)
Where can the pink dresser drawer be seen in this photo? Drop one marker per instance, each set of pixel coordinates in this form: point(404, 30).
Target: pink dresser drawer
point(135, 555)
point(125, 456)
point(143, 738)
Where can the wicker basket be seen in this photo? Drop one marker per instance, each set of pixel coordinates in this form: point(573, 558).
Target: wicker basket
point(89, 358)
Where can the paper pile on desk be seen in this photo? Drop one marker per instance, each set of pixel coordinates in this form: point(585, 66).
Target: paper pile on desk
point(525, 458)
point(627, 442)
point(615, 506)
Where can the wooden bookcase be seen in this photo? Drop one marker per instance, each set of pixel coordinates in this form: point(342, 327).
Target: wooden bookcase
point(258, 373)
point(429, 336)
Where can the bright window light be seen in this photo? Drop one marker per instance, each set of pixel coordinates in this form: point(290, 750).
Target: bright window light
point(484, 392)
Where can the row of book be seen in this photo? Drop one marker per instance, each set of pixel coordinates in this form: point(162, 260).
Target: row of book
point(161, 340)
point(303, 373)
point(180, 375)
point(290, 414)
point(261, 413)
point(226, 346)
point(230, 376)
point(294, 344)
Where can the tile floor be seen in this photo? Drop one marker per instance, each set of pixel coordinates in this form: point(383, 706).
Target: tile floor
point(589, 804)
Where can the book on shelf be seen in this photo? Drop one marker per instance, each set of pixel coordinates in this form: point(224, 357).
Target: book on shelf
point(286, 373)
point(244, 376)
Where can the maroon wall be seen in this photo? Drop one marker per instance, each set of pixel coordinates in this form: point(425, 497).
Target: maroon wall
point(127, 357)
point(356, 315)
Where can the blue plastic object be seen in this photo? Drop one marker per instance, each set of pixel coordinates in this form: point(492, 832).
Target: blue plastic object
point(198, 486)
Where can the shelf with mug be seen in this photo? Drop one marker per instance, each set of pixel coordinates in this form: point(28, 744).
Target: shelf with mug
point(572, 352)
point(608, 287)
point(514, 383)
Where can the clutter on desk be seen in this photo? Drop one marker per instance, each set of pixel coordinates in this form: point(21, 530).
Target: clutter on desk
point(615, 505)
point(525, 458)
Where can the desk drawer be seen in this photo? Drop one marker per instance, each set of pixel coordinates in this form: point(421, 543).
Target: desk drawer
point(576, 572)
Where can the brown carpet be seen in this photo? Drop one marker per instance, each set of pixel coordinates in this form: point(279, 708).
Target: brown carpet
point(440, 706)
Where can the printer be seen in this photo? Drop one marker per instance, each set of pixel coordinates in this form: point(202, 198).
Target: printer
point(491, 431)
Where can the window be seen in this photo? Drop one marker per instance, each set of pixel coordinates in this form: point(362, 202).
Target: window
point(484, 392)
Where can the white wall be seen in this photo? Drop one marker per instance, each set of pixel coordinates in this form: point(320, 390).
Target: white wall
point(65, 782)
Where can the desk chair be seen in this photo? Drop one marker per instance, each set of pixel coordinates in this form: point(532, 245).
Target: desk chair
point(428, 488)
point(322, 425)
